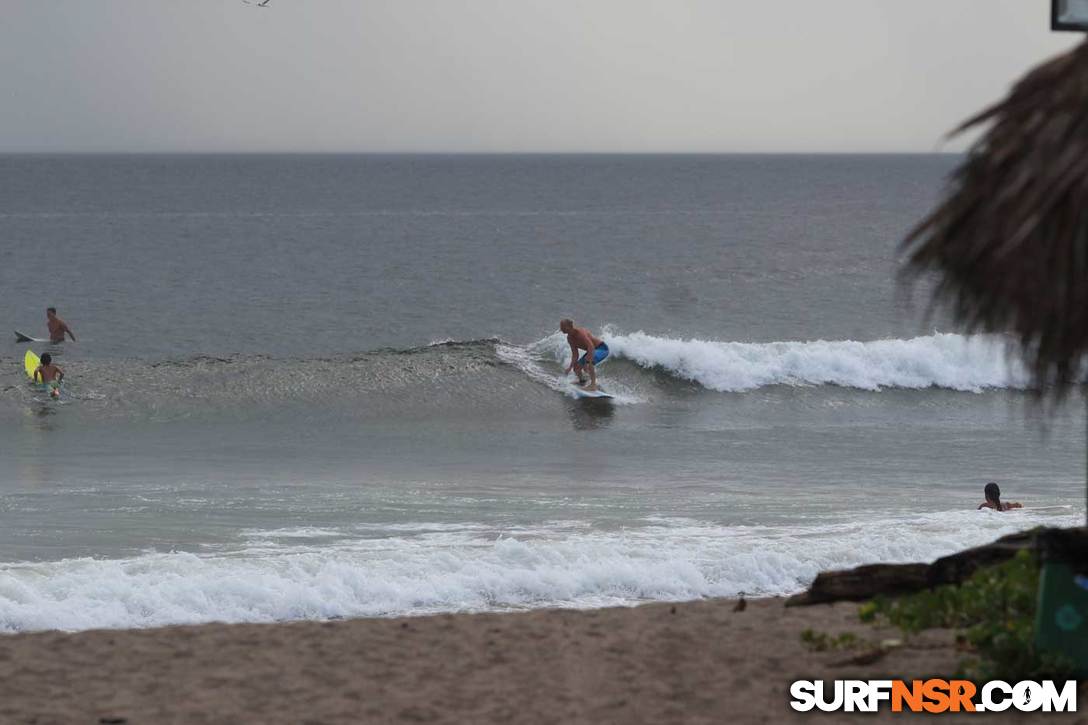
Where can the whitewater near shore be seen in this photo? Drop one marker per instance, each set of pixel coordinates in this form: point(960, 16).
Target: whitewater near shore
point(393, 571)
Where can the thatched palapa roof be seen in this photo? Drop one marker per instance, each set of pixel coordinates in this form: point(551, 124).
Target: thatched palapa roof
point(1009, 243)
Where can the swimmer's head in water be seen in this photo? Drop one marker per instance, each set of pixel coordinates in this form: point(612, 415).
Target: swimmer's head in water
point(993, 493)
point(51, 311)
point(566, 325)
point(46, 358)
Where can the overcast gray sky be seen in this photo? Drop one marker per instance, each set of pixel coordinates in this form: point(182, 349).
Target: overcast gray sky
point(507, 75)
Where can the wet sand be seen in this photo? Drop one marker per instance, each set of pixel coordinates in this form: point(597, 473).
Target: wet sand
point(697, 662)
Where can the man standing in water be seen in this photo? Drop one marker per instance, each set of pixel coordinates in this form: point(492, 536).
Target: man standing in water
point(57, 326)
point(579, 338)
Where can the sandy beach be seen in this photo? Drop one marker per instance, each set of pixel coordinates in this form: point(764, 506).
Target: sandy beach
point(698, 662)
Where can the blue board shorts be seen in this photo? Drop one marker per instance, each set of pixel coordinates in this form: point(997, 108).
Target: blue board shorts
point(599, 354)
point(52, 388)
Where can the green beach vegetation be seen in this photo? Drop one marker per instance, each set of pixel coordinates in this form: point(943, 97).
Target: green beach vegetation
point(995, 612)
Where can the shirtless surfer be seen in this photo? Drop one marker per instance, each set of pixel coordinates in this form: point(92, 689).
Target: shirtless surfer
point(579, 338)
point(49, 374)
point(57, 326)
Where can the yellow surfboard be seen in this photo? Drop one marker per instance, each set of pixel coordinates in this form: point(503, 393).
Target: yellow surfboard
point(30, 363)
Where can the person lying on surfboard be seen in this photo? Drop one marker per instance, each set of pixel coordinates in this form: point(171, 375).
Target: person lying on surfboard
point(579, 338)
point(49, 374)
point(57, 326)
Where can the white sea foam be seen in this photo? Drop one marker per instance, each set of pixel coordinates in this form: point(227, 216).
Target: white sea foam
point(527, 360)
point(943, 360)
point(470, 570)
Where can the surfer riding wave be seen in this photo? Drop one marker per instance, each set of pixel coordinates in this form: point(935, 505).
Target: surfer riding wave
point(579, 338)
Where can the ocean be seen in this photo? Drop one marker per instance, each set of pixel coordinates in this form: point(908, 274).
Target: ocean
point(307, 387)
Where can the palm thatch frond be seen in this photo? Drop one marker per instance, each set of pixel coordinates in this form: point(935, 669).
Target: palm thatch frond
point(1009, 244)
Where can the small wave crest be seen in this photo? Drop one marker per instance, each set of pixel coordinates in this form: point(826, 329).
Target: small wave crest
point(388, 378)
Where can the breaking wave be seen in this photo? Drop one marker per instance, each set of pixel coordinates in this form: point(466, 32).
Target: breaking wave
point(493, 372)
point(312, 574)
point(942, 360)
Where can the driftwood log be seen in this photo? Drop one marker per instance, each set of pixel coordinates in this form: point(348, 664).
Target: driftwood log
point(866, 582)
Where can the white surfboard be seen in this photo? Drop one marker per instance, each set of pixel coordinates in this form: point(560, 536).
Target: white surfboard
point(21, 337)
point(580, 392)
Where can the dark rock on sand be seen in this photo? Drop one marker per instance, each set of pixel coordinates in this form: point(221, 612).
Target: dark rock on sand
point(866, 582)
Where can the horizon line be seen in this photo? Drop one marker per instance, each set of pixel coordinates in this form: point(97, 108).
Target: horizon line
point(4, 152)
